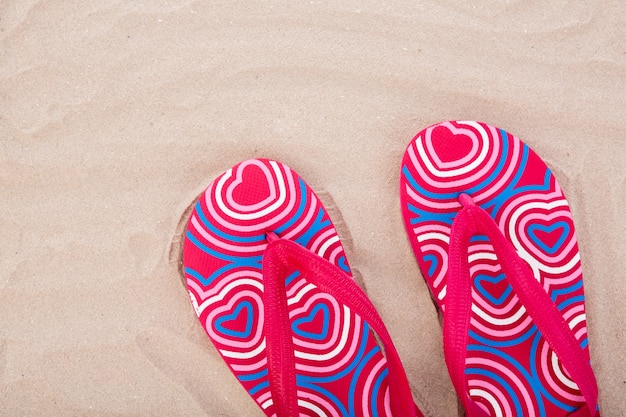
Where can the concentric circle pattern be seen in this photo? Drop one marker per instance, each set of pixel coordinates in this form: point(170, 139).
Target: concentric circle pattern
point(340, 368)
point(511, 369)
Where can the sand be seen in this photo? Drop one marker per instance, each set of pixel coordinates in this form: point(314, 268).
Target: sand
point(114, 116)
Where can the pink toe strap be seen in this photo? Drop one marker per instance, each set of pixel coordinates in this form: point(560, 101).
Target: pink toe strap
point(282, 257)
point(473, 220)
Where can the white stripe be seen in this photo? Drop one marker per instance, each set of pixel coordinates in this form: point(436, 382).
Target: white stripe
point(282, 194)
point(477, 392)
point(560, 375)
point(492, 320)
point(342, 342)
point(434, 236)
point(326, 244)
point(244, 355)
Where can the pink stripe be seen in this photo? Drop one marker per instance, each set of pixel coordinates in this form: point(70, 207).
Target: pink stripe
point(295, 287)
point(431, 204)
point(230, 342)
point(222, 282)
point(480, 247)
point(276, 217)
point(428, 142)
point(313, 247)
point(387, 401)
point(316, 399)
point(484, 363)
point(265, 396)
point(497, 332)
point(496, 392)
point(367, 389)
point(334, 254)
point(574, 311)
point(513, 205)
point(464, 180)
point(561, 280)
point(433, 227)
point(335, 319)
point(304, 222)
point(581, 334)
point(546, 363)
point(442, 258)
point(223, 244)
point(355, 335)
point(249, 367)
point(563, 252)
point(493, 310)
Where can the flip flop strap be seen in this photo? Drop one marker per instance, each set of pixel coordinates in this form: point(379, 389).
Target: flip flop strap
point(282, 257)
point(473, 220)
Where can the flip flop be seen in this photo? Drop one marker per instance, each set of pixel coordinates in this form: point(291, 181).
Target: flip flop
point(494, 238)
point(270, 283)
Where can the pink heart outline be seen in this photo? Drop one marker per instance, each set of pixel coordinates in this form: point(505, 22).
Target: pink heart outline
point(239, 180)
point(455, 131)
point(548, 217)
point(256, 332)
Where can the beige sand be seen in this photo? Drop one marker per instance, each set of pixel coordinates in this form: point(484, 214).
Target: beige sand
point(115, 115)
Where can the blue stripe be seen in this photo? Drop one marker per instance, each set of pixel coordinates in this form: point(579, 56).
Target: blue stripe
point(544, 391)
point(479, 238)
point(259, 387)
point(195, 274)
point(423, 215)
point(507, 343)
point(433, 263)
point(375, 390)
point(503, 383)
point(355, 378)
point(317, 225)
point(569, 301)
point(326, 394)
point(343, 264)
point(534, 384)
point(291, 277)
point(512, 189)
point(573, 300)
point(233, 238)
point(248, 261)
point(296, 217)
point(562, 291)
point(252, 377)
point(347, 369)
point(234, 261)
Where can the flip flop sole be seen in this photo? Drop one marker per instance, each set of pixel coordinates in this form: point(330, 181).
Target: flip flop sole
point(510, 367)
point(340, 370)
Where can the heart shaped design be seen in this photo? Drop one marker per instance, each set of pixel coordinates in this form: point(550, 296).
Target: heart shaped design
point(544, 235)
point(549, 237)
point(451, 147)
point(253, 187)
point(496, 290)
point(237, 324)
point(314, 325)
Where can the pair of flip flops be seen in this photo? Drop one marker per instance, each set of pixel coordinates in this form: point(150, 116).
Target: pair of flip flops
point(494, 238)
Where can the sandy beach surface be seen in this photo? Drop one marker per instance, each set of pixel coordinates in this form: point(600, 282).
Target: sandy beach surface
point(114, 116)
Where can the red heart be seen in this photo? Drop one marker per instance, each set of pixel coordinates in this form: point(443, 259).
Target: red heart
point(315, 324)
point(449, 146)
point(253, 187)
